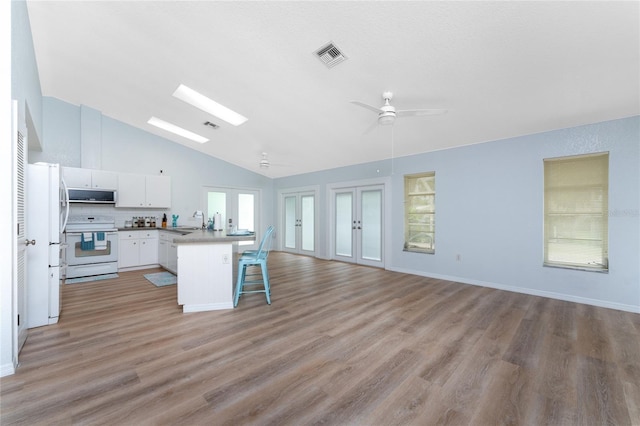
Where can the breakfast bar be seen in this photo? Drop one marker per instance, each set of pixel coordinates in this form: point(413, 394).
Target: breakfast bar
point(205, 269)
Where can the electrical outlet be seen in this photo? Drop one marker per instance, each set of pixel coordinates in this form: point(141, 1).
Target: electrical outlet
point(458, 257)
point(225, 259)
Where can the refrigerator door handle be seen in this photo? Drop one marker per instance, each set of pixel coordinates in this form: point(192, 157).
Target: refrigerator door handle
point(65, 202)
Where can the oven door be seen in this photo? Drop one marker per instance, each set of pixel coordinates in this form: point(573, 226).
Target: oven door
point(79, 255)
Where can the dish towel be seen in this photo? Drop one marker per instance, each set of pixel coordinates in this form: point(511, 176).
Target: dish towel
point(86, 241)
point(100, 241)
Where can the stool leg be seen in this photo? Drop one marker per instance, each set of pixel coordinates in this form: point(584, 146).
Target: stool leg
point(265, 279)
point(242, 269)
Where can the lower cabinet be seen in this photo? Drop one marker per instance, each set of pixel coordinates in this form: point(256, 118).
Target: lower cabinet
point(137, 248)
point(168, 251)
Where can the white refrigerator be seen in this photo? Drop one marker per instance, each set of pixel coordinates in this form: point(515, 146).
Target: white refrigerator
point(47, 211)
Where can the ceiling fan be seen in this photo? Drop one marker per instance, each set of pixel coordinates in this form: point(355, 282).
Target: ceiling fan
point(387, 113)
point(265, 163)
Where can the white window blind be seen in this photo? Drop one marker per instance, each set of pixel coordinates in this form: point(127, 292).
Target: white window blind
point(420, 212)
point(576, 211)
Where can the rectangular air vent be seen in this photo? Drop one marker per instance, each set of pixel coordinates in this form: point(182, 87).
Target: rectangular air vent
point(330, 55)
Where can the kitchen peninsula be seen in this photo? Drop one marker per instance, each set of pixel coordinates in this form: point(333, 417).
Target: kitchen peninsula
point(205, 265)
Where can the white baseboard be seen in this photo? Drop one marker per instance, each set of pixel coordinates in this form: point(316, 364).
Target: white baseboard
point(207, 307)
point(7, 370)
point(139, 267)
point(532, 292)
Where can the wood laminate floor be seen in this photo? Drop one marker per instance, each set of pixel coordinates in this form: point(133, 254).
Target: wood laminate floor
point(340, 345)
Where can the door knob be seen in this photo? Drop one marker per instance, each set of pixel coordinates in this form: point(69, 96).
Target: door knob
point(30, 242)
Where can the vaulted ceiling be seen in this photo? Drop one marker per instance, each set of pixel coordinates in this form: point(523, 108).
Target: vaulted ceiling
point(501, 69)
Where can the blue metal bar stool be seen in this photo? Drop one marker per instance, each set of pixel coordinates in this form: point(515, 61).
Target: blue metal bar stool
point(255, 258)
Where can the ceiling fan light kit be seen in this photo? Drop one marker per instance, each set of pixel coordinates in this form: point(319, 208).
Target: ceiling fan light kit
point(386, 118)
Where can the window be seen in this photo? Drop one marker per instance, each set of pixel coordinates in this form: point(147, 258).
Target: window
point(420, 212)
point(576, 211)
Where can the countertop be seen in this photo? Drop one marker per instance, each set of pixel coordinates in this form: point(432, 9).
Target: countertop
point(179, 230)
point(205, 236)
point(188, 235)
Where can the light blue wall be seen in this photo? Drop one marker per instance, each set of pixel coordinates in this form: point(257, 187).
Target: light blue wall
point(127, 149)
point(25, 82)
point(62, 132)
point(489, 204)
point(123, 148)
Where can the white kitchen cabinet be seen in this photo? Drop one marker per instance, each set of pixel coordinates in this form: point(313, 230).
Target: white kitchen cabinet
point(158, 191)
point(137, 248)
point(163, 251)
point(168, 251)
point(128, 253)
point(149, 250)
point(131, 190)
point(172, 258)
point(76, 177)
point(102, 179)
point(144, 191)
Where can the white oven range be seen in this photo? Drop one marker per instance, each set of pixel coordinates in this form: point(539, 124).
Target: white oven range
point(92, 246)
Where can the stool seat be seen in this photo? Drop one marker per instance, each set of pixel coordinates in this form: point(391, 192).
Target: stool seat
point(254, 258)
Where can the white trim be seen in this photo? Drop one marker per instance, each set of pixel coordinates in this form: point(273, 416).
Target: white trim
point(331, 188)
point(280, 214)
point(234, 191)
point(541, 293)
point(207, 307)
point(7, 370)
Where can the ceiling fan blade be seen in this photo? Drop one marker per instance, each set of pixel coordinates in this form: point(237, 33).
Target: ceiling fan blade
point(419, 112)
point(370, 128)
point(372, 108)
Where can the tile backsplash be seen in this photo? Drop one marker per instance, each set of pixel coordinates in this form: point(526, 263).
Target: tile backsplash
point(119, 214)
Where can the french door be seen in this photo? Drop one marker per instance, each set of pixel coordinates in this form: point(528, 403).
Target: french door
point(358, 225)
point(299, 227)
point(238, 208)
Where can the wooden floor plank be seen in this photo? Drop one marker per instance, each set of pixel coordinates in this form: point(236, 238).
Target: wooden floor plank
point(340, 344)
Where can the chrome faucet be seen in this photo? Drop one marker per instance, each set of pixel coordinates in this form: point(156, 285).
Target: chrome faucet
point(198, 213)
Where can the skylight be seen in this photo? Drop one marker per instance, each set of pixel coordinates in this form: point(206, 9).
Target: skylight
point(177, 130)
point(202, 102)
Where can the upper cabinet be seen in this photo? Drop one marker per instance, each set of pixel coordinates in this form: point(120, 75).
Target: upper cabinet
point(144, 191)
point(91, 179)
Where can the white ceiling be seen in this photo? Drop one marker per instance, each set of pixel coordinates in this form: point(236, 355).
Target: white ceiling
point(502, 69)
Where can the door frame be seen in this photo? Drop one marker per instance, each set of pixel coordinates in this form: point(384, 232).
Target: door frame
point(259, 216)
point(386, 214)
point(282, 193)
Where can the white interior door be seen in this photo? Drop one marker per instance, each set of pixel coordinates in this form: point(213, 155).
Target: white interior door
point(299, 228)
point(239, 209)
point(358, 225)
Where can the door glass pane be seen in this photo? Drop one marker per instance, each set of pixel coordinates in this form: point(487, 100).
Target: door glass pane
point(246, 219)
point(217, 203)
point(308, 227)
point(290, 222)
point(371, 202)
point(344, 217)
